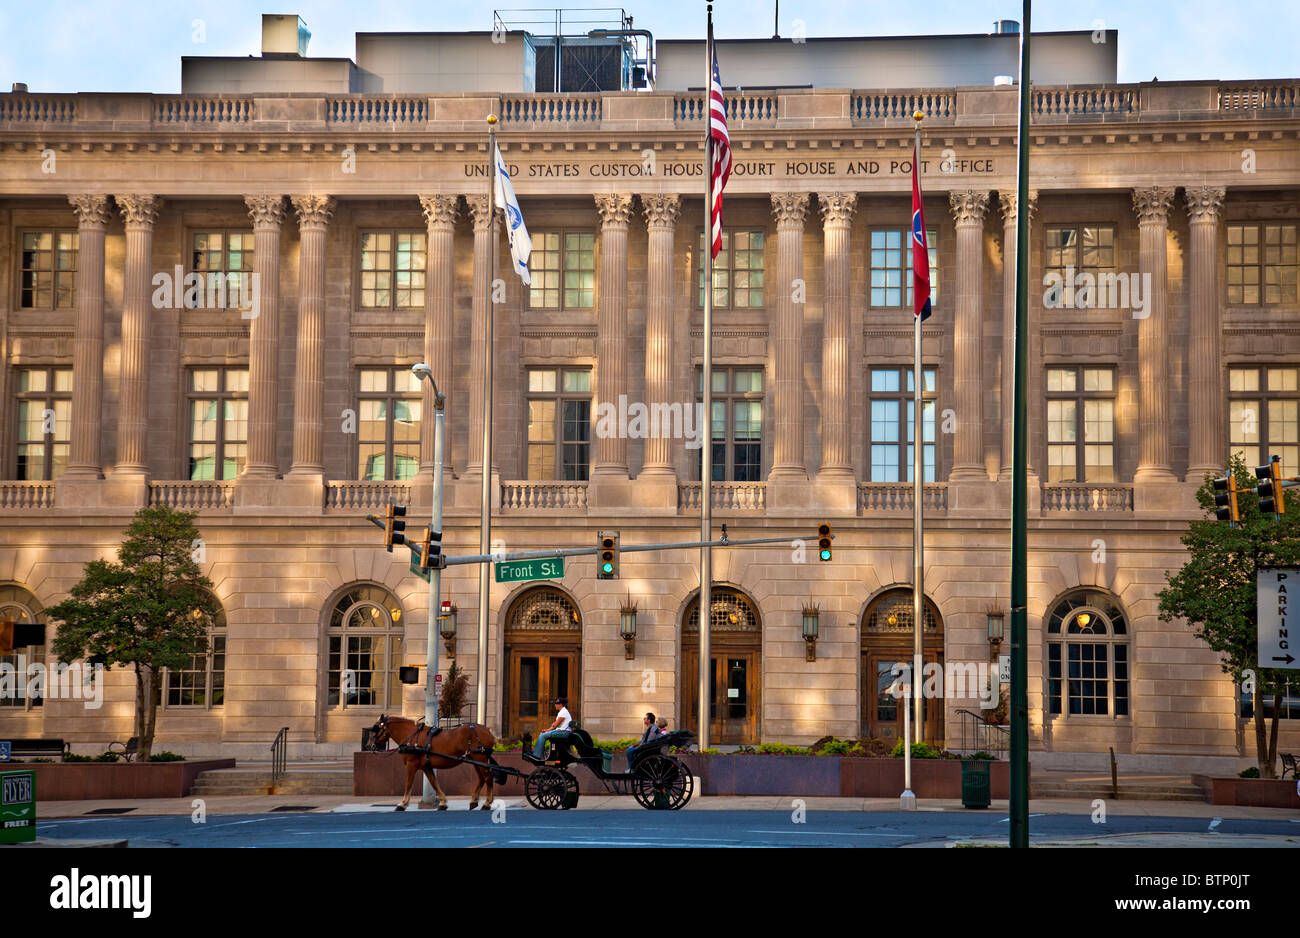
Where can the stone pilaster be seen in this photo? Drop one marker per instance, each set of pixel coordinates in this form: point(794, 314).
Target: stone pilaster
point(483, 242)
point(1152, 208)
point(93, 214)
point(140, 212)
point(837, 219)
point(439, 317)
point(968, 209)
point(314, 213)
point(267, 212)
point(786, 337)
point(611, 328)
point(1007, 390)
point(661, 211)
point(1207, 452)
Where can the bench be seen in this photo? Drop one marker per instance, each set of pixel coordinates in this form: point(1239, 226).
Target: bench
point(1288, 765)
point(37, 747)
point(130, 749)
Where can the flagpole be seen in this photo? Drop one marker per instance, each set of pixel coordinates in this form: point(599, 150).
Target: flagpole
point(918, 491)
point(706, 452)
point(485, 503)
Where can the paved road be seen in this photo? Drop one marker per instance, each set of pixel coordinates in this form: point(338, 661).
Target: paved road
point(523, 827)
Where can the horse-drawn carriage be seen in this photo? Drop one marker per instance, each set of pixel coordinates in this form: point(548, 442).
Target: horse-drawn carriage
point(654, 777)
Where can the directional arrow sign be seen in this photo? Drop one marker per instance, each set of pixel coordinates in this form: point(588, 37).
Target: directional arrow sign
point(1274, 588)
point(546, 568)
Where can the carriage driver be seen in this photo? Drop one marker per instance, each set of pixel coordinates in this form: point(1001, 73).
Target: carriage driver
point(561, 724)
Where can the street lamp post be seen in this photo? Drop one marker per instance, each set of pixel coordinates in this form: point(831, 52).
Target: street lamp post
point(423, 372)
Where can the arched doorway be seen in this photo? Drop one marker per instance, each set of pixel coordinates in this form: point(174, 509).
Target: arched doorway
point(543, 657)
point(886, 639)
point(735, 666)
point(20, 607)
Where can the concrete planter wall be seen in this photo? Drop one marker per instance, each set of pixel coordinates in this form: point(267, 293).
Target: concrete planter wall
point(1252, 792)
point(94, 781)
point(384, 774)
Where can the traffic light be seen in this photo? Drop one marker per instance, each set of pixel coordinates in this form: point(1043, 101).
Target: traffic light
point(429, 554)
point(607, 558)
point(824, 538)
point(394, 525)
point(1225, 498)
point(1269, 489)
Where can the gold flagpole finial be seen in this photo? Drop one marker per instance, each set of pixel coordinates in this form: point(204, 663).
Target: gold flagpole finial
point(491, 118)
point(918, 116)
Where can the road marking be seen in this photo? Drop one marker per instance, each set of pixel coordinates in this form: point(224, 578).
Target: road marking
point(1007, 820)
point(827, 833)
point(236, 823)
point(1215, 823)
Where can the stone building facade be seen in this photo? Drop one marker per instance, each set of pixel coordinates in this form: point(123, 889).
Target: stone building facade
point(364, 221)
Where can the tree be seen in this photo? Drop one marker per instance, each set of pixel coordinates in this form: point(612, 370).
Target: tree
point(455, 692)
point(1215, 592)
point(149, 610)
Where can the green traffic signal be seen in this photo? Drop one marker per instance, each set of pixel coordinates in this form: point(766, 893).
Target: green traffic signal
point(824, 538)
point(607, 567)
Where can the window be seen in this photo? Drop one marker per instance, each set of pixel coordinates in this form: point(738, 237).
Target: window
point(1290, 703)
point(48, 274)
point(892, 393)
point(1262, 264)
point(365, 650)
point(224, 262)
point(218, 402)
point(203, 682)
point(1263, 418)
point(891, 266)
point(388, 417)
point(392, 269)
point(562, 266)
point(737, 425)
point(559, 423)
point(29, 648)
point(737, 271)
point(44, 423)
point(1080, 425)
point(1086, 248)
point(1087, 656)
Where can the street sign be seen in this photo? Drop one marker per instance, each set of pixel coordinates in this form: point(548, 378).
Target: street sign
point(415, 568)
point(1004, 669)
point(1274, 618)
point(6, 750)
point(546, 568)
point(17, 807)
point(437, 680)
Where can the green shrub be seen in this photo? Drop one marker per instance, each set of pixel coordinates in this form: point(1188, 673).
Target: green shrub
point(615, 745)
point(836, 747)
point(919, 751)
point(106, 757)
point(1252, 772)
point(166, 756)
point(982, 755)
point(781, 749)
point(73, 757)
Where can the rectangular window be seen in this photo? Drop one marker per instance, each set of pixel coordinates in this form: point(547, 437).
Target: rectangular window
point(44, 423)
point(736, 426)
point(1089, 678)
point(737, 270)
point(48, 270)
point(388, 424)
point(392, 269)
point(1086, 248)
point(1264, 415)
point(1262, 264)
point(892, 410)
point(1080, 424)
point(559, 423)
point(224, 262)
point(562, 270)
point(364, 670)
point(218, 406)
point(891, 266)
point(203, 682)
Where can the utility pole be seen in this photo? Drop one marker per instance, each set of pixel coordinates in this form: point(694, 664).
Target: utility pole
point(422, 371)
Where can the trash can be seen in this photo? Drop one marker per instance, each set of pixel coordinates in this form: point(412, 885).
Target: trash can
point(974, 783)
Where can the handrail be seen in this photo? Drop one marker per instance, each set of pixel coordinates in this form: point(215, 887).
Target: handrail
point(279, 753)
point(988, 736)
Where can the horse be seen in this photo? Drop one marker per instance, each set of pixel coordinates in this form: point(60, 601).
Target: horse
point(467, 739)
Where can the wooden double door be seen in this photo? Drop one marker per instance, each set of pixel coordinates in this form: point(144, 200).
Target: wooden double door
point(882, 713)
point(734, 686)
point(535, 676)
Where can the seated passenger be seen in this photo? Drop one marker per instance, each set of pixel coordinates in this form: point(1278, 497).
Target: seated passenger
point(561, 724)
point(651, 731)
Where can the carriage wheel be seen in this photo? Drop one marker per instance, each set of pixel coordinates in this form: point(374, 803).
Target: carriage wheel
point(547, 788)
point(663, 783)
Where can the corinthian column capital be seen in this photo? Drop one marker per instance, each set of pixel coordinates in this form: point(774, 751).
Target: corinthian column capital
point(1007, 202)
point(837, 208)
point(661, 209)
point(614, 209)
point(968, 207)
point(478, 209)
point(1152, 204)
point(314, 211)
point(267, 211)
point(139, 210)
point(790, 208)
point(1205, 202)
point(92, 210)
point(440, 211)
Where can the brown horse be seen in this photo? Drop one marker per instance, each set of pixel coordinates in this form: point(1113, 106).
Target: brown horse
point(468, 739)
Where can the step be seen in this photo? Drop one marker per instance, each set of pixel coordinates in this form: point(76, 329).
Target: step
point(1126, 792)
point(237, 781)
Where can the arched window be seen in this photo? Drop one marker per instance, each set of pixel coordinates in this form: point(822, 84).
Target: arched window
point(20, 607)
point(731, 612)
point(365, 649)
point(203, 682)
point(1087, 656)
point(543, 608)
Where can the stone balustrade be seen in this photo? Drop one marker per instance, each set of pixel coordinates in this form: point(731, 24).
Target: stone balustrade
point(544, 496)
point(26, 495)
point(897, 496)
point(192, 496)
point(1086, 497)
point(365, 496)
point(727, 496)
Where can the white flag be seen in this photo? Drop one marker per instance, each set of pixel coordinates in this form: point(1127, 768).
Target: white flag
point(504, 193)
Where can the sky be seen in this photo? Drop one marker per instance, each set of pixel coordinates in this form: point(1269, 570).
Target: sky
point(136, 45)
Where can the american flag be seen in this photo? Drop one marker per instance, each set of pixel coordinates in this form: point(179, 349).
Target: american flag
point(721, 169)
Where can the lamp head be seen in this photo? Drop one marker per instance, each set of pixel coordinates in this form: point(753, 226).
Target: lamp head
point(421, 371)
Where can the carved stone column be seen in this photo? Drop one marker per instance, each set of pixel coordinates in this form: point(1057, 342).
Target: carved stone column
point(968, 210)
point(140, 213)
point(1152, 208)
point(439, 316)
point(661, 212)
point(314, 213)
point(837, 218)
point(790, 209)
point(93, 216)
point(1007, 391)
point(267, 212)
point(611, 328)
point(1207, 453)
point(478, 207)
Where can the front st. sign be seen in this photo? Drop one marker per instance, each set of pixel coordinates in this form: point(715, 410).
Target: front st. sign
point(1274, 617)
point(547, 568)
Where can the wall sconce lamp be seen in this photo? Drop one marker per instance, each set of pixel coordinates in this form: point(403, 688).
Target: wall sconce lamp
point(811, 614)
point(995, 617)
point(627, 628)
point(447, 627)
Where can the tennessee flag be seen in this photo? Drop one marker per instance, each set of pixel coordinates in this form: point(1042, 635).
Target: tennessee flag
point(920, 250)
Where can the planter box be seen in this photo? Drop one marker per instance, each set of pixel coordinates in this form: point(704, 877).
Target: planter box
point(931, 778)
point(384, 774)
point(97, 781)
point(1251, 792)
point(726, 774)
